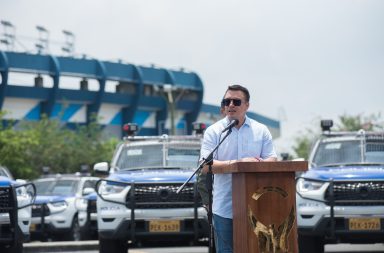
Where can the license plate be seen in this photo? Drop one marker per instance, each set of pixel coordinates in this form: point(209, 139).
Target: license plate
point(164, 226)
point(364, 224)
point(32, 227)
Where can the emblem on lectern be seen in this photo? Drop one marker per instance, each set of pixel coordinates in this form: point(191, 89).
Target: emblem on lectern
point(271, 238)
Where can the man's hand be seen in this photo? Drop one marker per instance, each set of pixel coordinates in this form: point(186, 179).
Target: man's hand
point(251, 159)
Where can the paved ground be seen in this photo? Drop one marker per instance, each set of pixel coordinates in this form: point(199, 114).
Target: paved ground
point(92, 247)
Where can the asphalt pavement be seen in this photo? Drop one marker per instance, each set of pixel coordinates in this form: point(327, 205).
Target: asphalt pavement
point(92, 247)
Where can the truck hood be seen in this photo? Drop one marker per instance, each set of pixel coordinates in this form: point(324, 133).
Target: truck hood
point(153, 175)
point(5, 181)
point(338, 173)
point(43, 199)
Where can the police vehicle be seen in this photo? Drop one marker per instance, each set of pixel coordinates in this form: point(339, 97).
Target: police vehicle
point(55, 213)
point(341, 197)
point(16, 197)
point(138, 201)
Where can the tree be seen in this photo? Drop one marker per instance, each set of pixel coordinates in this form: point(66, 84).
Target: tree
point(302, 146)
point(355, 123)
point(48, 143)
point(14, 147)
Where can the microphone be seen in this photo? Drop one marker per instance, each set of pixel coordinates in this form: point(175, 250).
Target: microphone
point(233, 123)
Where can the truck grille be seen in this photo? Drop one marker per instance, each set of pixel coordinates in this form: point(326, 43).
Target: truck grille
point(38, 210)
point(5, 199)
point(162, 196)
point(369, 193)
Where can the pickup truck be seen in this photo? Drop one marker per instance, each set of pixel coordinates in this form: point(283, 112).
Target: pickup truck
point(340, 199)
point(16, 197)
point(55, 213)
point(138, 202)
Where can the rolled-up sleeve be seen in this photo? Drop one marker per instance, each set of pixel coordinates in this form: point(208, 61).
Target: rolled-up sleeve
point(209, 143)
point(268, 149)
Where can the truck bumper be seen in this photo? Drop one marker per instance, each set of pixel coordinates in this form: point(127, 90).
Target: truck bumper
point(341, 232)
point(139, 229)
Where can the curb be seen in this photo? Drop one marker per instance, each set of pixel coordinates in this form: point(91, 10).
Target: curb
point(34, 247)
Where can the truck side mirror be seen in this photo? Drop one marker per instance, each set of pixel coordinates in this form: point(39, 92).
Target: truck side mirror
point(101, 168)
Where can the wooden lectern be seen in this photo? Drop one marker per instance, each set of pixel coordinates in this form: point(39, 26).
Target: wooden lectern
point(264, 206)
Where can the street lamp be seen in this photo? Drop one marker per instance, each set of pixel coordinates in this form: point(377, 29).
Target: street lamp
point(168, 91)
point(9, 34)
point(43, 40)
point(69, 44)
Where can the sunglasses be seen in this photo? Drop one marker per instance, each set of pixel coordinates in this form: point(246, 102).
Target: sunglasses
point(227, 101)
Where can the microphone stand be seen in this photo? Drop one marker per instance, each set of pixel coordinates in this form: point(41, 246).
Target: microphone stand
point(209, 181)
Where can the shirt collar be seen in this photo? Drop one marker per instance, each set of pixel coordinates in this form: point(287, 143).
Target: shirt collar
point(246, 122)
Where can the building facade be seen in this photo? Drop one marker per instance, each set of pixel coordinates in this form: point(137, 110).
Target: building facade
point(79, 90)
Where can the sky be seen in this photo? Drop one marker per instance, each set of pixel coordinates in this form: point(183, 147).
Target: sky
point(302, 60)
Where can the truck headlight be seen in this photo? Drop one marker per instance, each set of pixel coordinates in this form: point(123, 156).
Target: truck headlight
point(311, 189)
point(25, 195)
point(304, 185)
point(113, 191)
point(57, 207)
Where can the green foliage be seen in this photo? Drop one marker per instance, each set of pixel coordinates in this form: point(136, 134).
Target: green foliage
point(48, 143)
point(14, 147)
point(349, 123)
point(303, 143)
point(355, 123)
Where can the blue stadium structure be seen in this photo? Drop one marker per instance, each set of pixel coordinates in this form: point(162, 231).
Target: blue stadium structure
point(152, 97)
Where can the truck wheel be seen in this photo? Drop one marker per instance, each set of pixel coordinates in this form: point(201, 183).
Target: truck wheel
point(313, 244)
point(86, 233)
point(116, 246)
point(74, 233)
point(17, 248)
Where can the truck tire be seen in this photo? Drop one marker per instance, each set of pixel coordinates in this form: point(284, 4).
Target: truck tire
point(74, 233)
point(110, 245)
point(17, 248)
point(86, 233)
point(311, 244)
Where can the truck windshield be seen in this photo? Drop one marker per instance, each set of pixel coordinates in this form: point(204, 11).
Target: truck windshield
point(374, 152)
point(4, 173)
point(158, 156)
point(183, 157)
point(349, 152)
point(56, 187)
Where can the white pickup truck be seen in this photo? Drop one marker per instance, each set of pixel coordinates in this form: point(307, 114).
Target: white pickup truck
point(340, 199)
point(138, 202)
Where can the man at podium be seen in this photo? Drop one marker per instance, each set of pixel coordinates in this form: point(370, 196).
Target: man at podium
point(248, 141)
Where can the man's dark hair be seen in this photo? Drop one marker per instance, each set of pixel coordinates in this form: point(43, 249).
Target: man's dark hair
point(240, 88)
point(222, 105)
